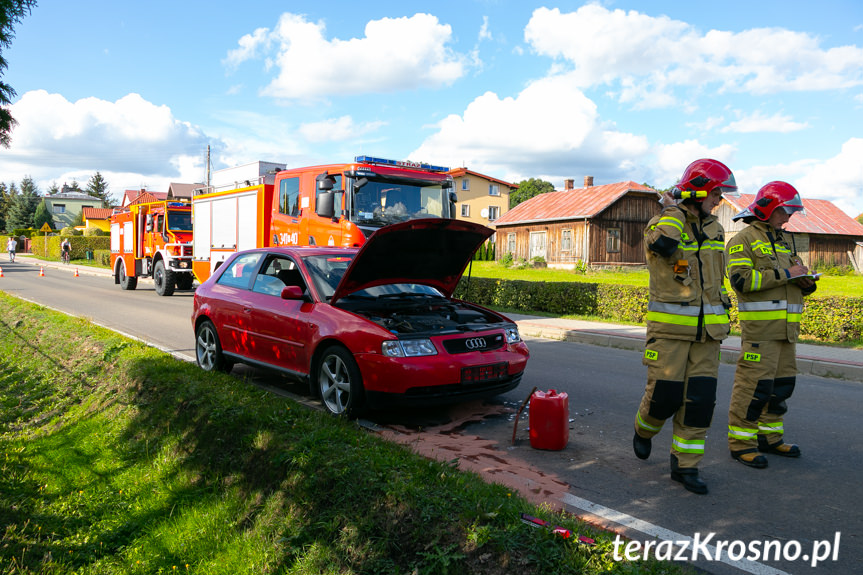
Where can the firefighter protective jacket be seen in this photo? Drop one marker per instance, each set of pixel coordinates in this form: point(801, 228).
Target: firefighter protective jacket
point(770, 304)
point(686, 260)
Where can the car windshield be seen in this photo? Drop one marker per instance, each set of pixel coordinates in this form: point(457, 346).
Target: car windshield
point(379, 202)
point(327, 271)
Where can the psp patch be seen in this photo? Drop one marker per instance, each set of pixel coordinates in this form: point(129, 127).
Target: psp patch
point(651, 355)
point(751, 356)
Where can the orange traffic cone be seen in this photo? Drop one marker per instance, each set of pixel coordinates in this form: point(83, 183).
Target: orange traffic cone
point(76, 272)
point(41, 271)
point(1, 272)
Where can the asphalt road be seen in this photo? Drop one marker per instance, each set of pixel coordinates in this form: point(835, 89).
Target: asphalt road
point(807, 501)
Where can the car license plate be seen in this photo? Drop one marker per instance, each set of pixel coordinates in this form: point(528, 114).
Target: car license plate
point(478, 373)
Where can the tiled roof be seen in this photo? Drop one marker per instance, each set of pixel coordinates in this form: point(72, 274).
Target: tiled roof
point(98, 213)
point(581, 203)
point(822, 217)
point(147, 197)
point(131, 196)
point(176, 190)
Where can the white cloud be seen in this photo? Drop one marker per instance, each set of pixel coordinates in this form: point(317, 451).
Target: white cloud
point(395, 54)
point(57, 140)
point(550, 128)
point(646, 57)
point(672, 159)
point(337, 130)
point(484, 32)
point(838, 179)
point(758, 122)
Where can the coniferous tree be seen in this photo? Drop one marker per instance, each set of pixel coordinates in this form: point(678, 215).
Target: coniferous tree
point(98, 188)
point(4, 205)
point(42, 216)
point(23, 206)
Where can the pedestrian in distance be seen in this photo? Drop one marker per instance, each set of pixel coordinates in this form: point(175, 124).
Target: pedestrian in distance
point(687, 318)
point(770, 280)
point(11, 246)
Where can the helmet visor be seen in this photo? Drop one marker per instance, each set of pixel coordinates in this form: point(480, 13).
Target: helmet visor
point(729, 191)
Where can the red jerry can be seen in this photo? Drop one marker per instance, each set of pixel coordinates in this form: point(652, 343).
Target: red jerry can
point(549, 420)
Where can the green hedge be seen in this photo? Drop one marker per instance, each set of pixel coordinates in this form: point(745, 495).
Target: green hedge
point(79, 246)
point(828, 319)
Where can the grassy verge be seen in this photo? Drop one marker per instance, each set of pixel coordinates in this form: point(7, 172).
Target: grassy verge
point(117, 458)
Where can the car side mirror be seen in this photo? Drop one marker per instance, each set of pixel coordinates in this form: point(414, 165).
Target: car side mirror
point(292, 292)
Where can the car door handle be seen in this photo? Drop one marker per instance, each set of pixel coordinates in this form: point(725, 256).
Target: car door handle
point(247, 309)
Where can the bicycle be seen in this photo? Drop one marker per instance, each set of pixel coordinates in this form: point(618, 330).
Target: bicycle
point(66, 256)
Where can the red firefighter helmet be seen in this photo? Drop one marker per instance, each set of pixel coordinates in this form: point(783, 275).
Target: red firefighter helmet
point(771, 196)
point(705, 176)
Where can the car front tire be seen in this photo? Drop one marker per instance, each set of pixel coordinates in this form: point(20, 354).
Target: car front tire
point(339, 382)
point(208, 349)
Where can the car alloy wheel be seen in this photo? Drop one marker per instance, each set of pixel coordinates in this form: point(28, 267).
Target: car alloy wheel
point(208, 349)
point(339, 382)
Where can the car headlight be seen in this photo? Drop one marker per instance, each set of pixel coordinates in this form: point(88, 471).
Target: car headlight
point(408, 348)
point(512, 335)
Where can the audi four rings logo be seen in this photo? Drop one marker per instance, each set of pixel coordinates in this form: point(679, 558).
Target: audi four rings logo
point(475, 343)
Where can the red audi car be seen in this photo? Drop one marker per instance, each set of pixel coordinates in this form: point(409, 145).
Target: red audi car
point(368, 327)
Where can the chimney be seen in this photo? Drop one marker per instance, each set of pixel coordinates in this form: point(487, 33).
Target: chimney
point(568, 184)
point(588, 181)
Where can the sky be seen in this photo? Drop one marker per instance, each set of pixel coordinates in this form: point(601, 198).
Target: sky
point(618, 90)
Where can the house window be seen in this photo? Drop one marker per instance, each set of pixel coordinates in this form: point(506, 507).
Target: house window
point(612, 240)
point(465, 185)
point(565, 240)
point(493, 213)
point(465, 210)
point(510, 243)
point(59, 208)
point(493, 190)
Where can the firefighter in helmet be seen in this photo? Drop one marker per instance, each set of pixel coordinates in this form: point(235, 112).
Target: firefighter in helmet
point(770, 281)
point(687, 317)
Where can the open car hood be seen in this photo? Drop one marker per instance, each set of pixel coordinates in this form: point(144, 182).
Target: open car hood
point(429, 251)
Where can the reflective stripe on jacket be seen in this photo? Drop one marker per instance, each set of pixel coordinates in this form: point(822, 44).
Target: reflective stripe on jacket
point(687, 297)
point(770, 306)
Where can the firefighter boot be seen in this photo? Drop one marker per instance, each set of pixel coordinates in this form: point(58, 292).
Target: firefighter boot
point(781, 448)
point(688, 476)
point(750, 458)
point(641, 446)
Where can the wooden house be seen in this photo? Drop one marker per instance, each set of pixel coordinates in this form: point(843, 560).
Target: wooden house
point(823, 236)
point(594, 225)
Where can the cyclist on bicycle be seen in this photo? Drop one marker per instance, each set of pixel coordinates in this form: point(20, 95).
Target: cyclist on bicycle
point(66, 250)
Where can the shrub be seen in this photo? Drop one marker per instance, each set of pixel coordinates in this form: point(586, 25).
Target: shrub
point(506, 260)
point(94, 232)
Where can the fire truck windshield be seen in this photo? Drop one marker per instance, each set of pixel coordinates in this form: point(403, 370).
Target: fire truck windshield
point(180, 221)
point(378, 201)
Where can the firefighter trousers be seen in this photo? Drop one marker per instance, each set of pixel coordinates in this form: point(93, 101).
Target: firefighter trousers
point(681, 383)
point(765, 377)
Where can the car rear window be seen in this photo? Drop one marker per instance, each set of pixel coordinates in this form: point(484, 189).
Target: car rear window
point(239, 272)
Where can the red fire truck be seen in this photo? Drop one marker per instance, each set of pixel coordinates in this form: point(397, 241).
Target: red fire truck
point(153, 239)
point(329, 205)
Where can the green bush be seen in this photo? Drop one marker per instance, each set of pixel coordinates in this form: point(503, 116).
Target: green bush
point(80, 244)
point(506, 260)
point(94, 232)
point(827, 319)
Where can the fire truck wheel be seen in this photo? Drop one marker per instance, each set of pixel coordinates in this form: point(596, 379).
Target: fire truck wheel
point(126, 282)
point(184, 281)
point(208, 349)
point(339, 382)
point(163, 278)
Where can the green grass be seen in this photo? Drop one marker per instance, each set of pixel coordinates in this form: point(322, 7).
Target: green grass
point(117, 458)
point(828, 285)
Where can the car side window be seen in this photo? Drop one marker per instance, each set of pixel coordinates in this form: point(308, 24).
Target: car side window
point(276, 273)
point(239, 272)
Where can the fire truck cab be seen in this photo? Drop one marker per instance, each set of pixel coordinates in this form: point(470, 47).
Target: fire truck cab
point(153, 239)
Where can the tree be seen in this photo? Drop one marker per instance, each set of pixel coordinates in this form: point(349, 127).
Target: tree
point(528, 189)
point(11, 12)
point(42, 216)
point(860, 218)
point(98, 188)
point(5, 200)
point(23, 206)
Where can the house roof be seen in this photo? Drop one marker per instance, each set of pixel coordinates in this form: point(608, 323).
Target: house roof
point(70, 196)
point(822, 217)
point(97, 213)
point(580, 203)
point(459, 172)
point(132, 196)
point(176, 190)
